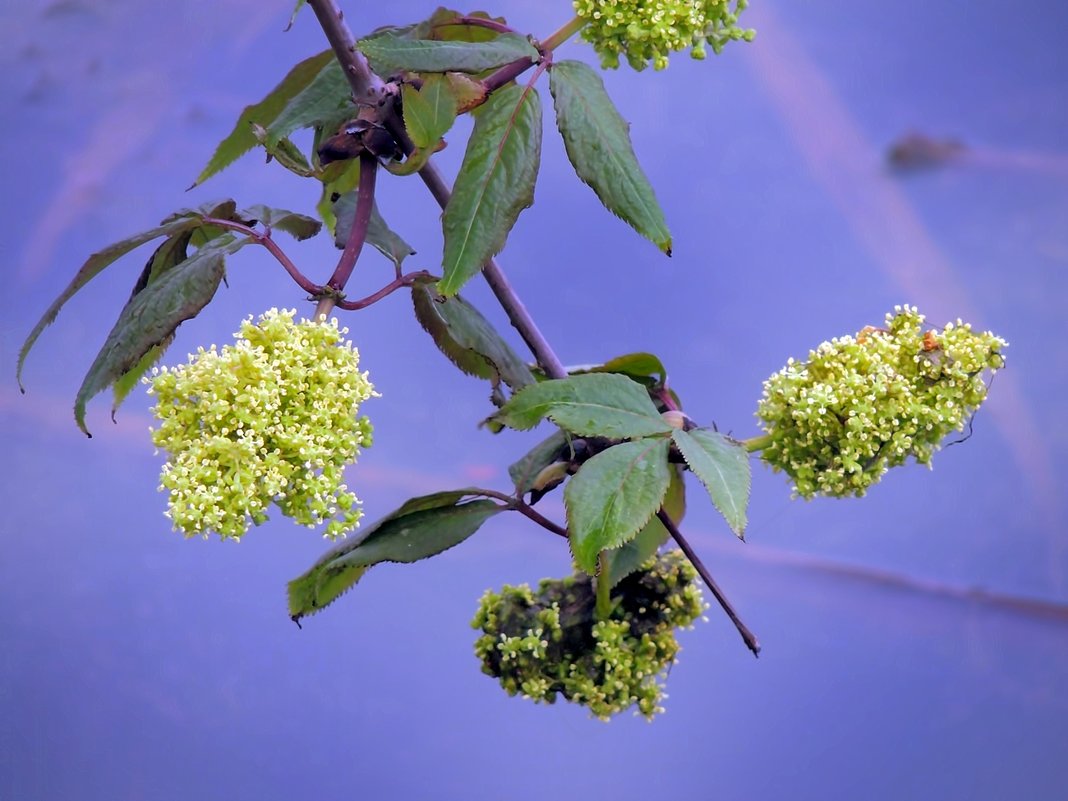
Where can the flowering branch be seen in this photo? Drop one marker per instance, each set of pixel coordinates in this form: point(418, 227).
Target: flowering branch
point(366, 84)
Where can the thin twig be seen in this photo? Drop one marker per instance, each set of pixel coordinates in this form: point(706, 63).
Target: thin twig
point(747, 635)
point(524, 509)
point(275, 250)
point(401, 281)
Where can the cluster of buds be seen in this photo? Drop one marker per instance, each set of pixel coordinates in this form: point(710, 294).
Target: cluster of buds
point(270, 419)
point(650, 30)
point(863, 404)
point(547, 644)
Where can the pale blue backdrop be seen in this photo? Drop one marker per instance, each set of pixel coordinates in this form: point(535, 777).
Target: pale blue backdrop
point(915, 643)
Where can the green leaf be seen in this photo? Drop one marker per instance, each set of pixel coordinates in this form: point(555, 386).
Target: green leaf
point(598, 144)
point(421, 528)
point(299, 226)
point(495, 183)
point(153, 314)
point(551, 450)
point(429, 111)
point(613, 495)
point(593, 405)
point(125, 383)
point(241, 139)
point(442, 26)
point(722, 465)
point(176, 223)
point(293, 16)
point(171, 252)
point(636, 365)
point(390, 53)
point(325, 99)
point(284, 152)
point(379, 235)
point(627, 559)
point(468, 339)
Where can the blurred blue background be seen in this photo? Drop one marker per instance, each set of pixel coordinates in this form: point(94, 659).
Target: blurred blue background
point(915, 642)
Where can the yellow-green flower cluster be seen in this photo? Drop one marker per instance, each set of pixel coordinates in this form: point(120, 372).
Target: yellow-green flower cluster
point(863, 404)
point(650, 30)
point(546, 644)
point(270, 419)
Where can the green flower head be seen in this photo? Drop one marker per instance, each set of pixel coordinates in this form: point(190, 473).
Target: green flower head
point(546, 644)
point(650, 30)
point(863, 404)
point(272, 418)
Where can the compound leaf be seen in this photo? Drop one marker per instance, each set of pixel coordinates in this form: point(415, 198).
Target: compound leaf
point(153, 314)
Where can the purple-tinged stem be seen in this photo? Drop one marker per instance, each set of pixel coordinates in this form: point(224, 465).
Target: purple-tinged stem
point(365, 202)
point(265, 239)
point(369, 87)
point(750, 638)
point(401, 281)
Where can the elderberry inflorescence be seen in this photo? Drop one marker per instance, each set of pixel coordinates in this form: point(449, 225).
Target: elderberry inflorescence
point(272, 418)
point(650, 30)
point(547, 644)
point(863, 404)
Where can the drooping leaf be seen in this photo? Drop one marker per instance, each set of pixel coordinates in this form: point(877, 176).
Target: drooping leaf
point(495, 183)
point(126, 382)
point(613, 495)
point(468, 339)
point(293, 16)
point(171, 252)
point(592, 405)
point(176, 223)
point(299, 226)
point(631, 556)
point(390, 53)
point(323, 101)
point(722, 465)
point(379, 235)
point(421, 528)
point(241, 139)
point(598, 144)
point(429, 111)
point(549, 451)
point(153, 314)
